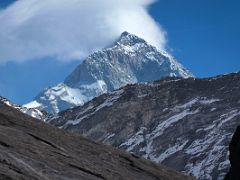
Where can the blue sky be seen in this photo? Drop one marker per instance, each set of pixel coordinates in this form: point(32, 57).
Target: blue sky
point(202, 35)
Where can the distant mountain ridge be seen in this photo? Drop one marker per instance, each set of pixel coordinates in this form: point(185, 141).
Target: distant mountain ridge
point(185, 124)
point(130, 60)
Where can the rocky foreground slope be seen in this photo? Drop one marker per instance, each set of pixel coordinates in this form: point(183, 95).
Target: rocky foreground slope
point(185, 124)
point(31, 149)
point(129, 60)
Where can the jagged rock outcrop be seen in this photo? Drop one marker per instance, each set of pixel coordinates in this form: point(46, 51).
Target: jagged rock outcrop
point(234, 149)
point(31, 149)
point(185, 124)
point(130, 60)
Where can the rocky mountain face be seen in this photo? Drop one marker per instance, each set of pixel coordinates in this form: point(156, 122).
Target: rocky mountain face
point(185, 124)
point(31, 149)
point(234, 157)
point(33, 112)
point(130, 60)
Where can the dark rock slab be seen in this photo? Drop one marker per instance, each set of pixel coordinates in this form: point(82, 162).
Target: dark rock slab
point(30, 149)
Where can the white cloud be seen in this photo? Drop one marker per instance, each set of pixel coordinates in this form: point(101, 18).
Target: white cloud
point(67, 29)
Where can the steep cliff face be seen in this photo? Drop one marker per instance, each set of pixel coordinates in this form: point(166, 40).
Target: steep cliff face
point(234, 149)
point(130, 60)
point(185, 124)
point(31, 149)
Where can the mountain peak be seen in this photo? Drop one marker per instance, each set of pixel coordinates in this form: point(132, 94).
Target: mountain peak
point(129, 39)
point(130, 60)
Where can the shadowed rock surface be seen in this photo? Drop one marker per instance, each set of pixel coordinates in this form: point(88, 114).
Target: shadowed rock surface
point(234, 149)
point(185, 124)
point(30, 149)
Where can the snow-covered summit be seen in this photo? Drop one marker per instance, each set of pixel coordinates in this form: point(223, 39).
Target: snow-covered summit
point(130, 60)
point(129, 39)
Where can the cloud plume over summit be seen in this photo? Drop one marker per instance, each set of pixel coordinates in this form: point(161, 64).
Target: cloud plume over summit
point(71, 29)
